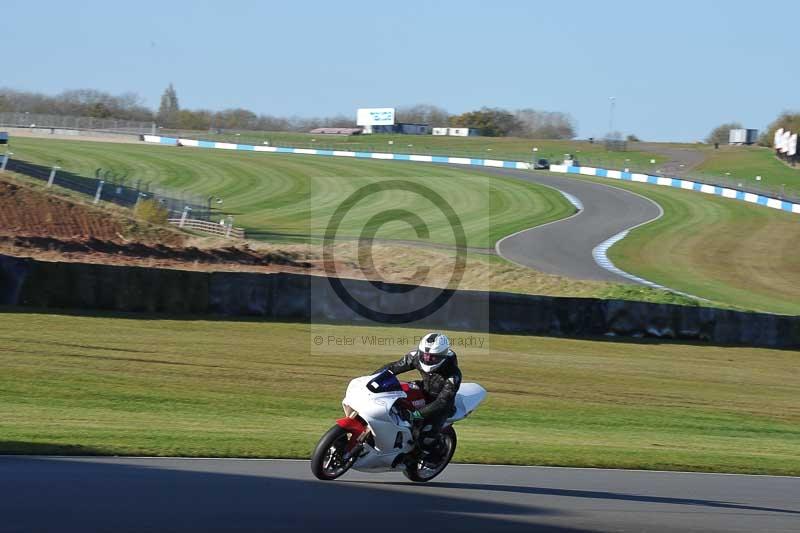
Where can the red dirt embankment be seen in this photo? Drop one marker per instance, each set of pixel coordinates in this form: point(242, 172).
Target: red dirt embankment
point(28, 212)
point(35, 223)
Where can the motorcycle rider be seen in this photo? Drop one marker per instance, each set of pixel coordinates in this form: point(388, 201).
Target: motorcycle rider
point(441, 378)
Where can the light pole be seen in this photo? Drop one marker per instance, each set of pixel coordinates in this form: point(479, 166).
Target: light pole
point(612, 103)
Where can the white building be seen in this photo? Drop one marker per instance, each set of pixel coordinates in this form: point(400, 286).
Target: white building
point(463, 132)
point(743, 136)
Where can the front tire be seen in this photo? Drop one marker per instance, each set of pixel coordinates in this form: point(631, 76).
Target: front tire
point(418, 473)
point(327, 462)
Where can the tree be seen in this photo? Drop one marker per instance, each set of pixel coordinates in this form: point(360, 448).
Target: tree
point(99, 110)
point(169, 108)
point(492, 122)
point(544, 124)
point(631, 138)
point(193, 120)
point(152, 211)
point(721, 134)
point(77, 102)
point(423, 114)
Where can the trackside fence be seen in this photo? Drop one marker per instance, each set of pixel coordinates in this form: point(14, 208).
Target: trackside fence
point(65, 122)
point(224, 229)
point(107, 187)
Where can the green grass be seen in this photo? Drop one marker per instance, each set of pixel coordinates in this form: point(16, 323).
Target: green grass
point(506, 148)
point(729, 252)
point(743, 164)
point(280, 197)
point(139, 386)
point(724, 250)
point(734, 164)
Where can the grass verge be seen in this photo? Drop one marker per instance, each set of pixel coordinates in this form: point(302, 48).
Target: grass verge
point(506, 148)
point(727, 251)
point(291, 198)
point(744, 163)
point(132, 385)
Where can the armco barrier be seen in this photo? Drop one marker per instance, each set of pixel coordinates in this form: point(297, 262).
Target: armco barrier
point(726, 192)
point(301, 298)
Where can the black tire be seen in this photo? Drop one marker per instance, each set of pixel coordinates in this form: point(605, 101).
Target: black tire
point(414, 473)
point(336, 438)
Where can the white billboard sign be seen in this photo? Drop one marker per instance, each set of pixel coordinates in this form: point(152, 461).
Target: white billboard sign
point(737, 136)
point(785, 144)
point(778, 139)
point(377, 116)
point(792, 145)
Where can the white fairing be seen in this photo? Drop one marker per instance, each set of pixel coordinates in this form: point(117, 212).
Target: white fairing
point(392, 435)
point(468, 398)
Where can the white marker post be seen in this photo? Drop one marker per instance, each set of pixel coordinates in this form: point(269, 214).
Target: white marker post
point(230, 225)
point(5, 160)
point(99, 191)
point(52, 176)
point(184, 215)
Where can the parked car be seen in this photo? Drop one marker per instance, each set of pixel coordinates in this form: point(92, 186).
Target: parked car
point(541, 164)
point(3, 137)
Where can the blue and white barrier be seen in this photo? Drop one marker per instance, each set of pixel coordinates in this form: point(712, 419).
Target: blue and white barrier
point(172, 141)
point(678, 183)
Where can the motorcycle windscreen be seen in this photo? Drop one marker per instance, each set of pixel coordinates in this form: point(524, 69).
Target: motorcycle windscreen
point(384, 382)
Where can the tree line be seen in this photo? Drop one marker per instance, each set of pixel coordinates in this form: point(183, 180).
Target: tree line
point(79, 102)
point(495, 122)
point(787, 120)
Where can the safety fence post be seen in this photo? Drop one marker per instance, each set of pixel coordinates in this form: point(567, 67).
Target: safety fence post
point(99, 190)
point(52, 176)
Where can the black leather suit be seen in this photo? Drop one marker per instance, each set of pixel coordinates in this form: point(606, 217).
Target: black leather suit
point(440, 387)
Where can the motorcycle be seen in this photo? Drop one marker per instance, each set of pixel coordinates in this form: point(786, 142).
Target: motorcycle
point(376, 436)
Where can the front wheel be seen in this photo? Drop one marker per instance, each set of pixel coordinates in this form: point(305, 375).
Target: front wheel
point(328, 462)
point(421, 472)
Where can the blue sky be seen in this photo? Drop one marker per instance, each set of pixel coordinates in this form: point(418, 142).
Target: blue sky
point(676, 68)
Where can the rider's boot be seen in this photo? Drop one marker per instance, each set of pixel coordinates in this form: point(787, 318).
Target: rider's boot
point(432, 449)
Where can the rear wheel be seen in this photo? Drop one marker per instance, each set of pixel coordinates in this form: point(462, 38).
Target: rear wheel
point(328, 462)
point(421, 472)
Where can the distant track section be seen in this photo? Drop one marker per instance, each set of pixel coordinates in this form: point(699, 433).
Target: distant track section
point(565, 247)
point(624, 175)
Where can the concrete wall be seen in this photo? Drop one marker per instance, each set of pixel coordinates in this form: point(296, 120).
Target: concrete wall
point(300, 298)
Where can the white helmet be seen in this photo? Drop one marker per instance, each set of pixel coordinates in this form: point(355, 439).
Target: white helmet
point(434, 349)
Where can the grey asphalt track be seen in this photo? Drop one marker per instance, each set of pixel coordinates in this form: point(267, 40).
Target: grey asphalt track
point(127, 494)
point(564, 247)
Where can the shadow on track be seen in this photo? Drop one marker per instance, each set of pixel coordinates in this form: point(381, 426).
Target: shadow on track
point(47, 493)
point(599, 495)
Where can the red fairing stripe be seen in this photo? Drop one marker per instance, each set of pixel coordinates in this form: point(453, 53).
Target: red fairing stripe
point(353, 425)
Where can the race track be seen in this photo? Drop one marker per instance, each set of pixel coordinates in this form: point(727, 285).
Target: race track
point(564, 247)
point(128, 494)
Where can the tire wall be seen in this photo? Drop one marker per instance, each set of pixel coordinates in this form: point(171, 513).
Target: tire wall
point(302, 298)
